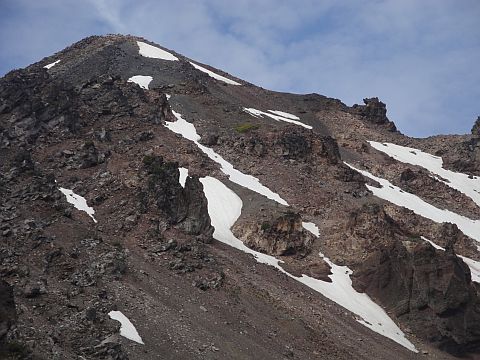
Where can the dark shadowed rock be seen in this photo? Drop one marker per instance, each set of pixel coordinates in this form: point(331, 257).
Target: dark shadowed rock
point(8, 313)
point(430, 289)
point(476, 127)
point(88, 155)
point(184, 207)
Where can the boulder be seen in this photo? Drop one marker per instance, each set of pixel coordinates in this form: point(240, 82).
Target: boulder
point(279, 236)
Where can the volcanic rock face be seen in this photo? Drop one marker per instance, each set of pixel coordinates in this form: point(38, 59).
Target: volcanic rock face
point(431, 288)
point(375, 112)
point(184, 207)
point(290, 143)
point(476, 127)
point(282, 235)
point(131, 238)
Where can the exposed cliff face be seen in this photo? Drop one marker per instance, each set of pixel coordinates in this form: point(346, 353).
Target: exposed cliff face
point(431, 288)
point(279, 236)
point(184, 207)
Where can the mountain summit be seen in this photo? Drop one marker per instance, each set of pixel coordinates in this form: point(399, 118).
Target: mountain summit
point(154, 207)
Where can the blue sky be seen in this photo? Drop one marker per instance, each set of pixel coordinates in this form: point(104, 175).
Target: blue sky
point(420, 57)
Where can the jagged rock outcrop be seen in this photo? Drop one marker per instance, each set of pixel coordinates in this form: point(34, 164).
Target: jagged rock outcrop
point(430, 289)
point(368, 228)
point(184, 207)
point(37, 104)
point(476, 127)
point(374, 111)
point(280, 236)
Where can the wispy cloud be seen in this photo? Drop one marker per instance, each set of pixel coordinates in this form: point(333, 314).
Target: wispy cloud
point(419, 57)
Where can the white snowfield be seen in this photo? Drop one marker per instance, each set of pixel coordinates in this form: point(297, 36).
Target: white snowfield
point(214, 75)
point(472, 264)
point(150, 51)
point(126, 328)
point(397, 196)
point(188, 131)
point(225, 207)
point(434, 164)
point(141, 80)
point(277, 115)
point(78, 201)
point(49, 66)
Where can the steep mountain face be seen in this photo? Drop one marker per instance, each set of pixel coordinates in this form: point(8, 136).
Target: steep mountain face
point(153, 207)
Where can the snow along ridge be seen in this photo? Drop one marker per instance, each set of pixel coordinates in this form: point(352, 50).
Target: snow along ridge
point(151, 51)
point(214, 75)
point(49, 66)
point(225, 207)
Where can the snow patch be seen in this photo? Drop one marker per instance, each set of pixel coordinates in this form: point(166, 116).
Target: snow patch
point(284, 114)
point(188, 131)
point(51, 64)
point(309, 226)
point(78, 201)
point(472, 264)
point(183, 176)
point(289, 118)
point(225, 207)
point(126, 329)
point(141, 80)
point(399, 197)
point(150, 51)
point(214, 75)
point(469, 186)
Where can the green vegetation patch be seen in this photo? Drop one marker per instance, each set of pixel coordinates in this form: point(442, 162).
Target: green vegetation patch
point(246, 127)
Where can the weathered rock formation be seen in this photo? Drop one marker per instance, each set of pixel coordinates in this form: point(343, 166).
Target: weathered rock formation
point(374, 111)
point(429, 288)
point(184, 207)
point(279, 236)
point(476, 127)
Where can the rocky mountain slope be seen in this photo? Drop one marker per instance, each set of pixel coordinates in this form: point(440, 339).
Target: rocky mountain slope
point(157, 208)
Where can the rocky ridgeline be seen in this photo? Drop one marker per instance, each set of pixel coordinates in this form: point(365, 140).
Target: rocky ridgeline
point(375, 112)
